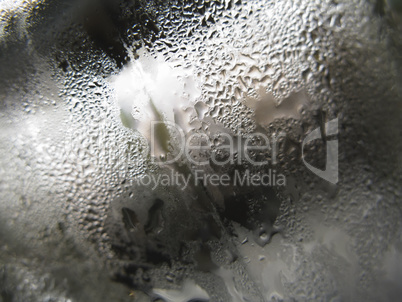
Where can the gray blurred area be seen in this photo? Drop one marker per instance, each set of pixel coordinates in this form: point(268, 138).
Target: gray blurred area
point(80, 82)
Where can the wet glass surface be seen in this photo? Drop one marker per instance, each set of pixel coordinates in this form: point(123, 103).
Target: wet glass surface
point(200, 150)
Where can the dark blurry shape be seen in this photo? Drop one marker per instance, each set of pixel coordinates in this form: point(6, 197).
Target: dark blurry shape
point(101, 21)
point(129, 218)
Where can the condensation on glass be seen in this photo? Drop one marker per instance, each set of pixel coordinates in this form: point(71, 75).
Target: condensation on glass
point(100, 201)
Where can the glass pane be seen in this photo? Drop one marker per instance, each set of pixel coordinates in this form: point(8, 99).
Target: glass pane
point(235, 150)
